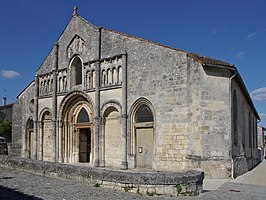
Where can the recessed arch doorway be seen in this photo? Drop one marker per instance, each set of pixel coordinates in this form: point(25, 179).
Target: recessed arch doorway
point(143, 122)
point(84, 132)
point(76, 132)
point(29, 138)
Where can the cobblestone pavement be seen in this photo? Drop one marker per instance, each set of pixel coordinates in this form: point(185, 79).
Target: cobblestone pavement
point(16, 185)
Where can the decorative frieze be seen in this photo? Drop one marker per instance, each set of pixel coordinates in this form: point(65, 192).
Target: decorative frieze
point(62, 80)
point(110, 72)
point(76, 46)
point(110, 76)
point(45, 84)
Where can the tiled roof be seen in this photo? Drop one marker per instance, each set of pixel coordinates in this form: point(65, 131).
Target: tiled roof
point(209, 61)
point(202, 59)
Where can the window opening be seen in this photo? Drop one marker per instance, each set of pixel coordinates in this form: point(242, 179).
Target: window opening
point(144, 114)
point(83, 116)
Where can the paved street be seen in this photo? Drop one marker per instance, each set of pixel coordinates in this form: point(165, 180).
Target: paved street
point(15, 184)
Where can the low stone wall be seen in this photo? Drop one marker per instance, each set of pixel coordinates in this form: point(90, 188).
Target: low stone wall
point(145, 183)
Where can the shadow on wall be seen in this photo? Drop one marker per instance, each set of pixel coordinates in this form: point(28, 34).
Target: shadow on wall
point(11, 194)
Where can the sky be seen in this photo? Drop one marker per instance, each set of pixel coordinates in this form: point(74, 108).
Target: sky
point(229, 30)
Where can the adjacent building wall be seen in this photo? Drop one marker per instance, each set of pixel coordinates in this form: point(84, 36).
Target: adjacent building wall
point(261, 142)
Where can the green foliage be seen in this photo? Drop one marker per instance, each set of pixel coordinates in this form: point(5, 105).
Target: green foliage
point(126, 189)
point(191, 194)
point(149, 193)
point(97, 185)
point(178, 188)
point(5, 129)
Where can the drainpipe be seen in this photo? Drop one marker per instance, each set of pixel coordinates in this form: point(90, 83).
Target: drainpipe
point(230, 126)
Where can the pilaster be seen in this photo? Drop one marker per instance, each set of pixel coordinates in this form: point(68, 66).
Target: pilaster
point(35, 118)
point(124, 164)
point(54, 107)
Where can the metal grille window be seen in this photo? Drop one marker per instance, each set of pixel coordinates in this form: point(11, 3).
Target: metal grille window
point(144, 114)
point(83, 116)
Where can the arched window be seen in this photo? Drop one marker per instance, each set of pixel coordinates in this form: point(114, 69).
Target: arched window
point(83, 116)
point(144, 114)
point(76, 67)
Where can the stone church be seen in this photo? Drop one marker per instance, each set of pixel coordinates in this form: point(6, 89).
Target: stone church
point(108, 99)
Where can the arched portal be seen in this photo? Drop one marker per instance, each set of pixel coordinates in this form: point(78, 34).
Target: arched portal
point(112, 137)
point(84, 135)
point(46, 136)
point(29, 138)
point(76, 133)
point(143, 138)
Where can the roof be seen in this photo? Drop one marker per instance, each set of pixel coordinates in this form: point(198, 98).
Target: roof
point(209, 61)
point(201, 59)
point(25, 89)
point(6, 106)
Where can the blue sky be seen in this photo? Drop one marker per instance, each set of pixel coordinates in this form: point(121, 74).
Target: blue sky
point(228, 30)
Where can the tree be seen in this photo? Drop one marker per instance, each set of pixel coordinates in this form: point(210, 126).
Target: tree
point(5, 129)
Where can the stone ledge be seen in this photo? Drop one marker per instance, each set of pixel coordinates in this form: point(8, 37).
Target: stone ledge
point(146, 183)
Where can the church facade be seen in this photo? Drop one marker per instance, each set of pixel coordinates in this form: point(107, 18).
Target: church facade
point(112, 100)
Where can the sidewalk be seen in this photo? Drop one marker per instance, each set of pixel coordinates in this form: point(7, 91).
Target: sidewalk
point(213, 184)
point(257, 176)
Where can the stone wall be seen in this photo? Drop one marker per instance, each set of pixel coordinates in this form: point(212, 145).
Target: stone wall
point(145, 183)
point(209, 120)
point(6, 112)
point(244, 133)
point(159, 75)
point(22, 111)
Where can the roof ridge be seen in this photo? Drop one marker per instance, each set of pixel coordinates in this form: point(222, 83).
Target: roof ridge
point(202, 59)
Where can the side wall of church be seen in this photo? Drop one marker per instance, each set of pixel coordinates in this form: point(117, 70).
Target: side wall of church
point(244, 133)
point(16, 130)
point(23, 111)
point(209, 121)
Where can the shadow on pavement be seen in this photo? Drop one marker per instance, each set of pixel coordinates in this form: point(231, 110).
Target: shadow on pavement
point(11, 194)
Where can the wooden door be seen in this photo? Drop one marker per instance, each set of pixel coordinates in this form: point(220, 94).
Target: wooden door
point(84, 145)
point(144, 147)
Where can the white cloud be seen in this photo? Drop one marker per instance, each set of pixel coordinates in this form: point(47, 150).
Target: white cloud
point(259, 94)
point(255, 33)
point(251, 35)
point(240, 55)
point(9, 74)
point(262, 116)
point(219, 29)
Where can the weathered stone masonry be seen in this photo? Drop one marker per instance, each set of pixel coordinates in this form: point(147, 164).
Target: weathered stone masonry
point(117, 101)
point(144, 183)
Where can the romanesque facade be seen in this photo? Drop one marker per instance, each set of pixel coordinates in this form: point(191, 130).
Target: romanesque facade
point(108, 99)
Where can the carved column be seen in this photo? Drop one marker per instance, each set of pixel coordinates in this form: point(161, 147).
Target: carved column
point(40, 136)
point(103, 142)
point(124, 112)
point(54, 108)
point(35, 118)
point(97, 118)
point(60, 142)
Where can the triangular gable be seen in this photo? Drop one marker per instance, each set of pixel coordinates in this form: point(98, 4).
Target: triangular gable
point(65, 40)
